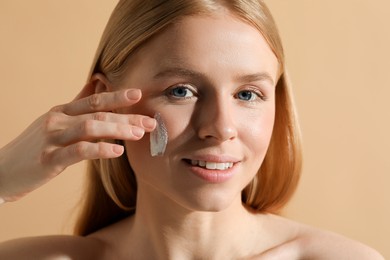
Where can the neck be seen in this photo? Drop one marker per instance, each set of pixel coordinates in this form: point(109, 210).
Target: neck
point(175, 232)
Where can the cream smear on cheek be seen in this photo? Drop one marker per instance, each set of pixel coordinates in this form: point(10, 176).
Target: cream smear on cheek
point(159, 137)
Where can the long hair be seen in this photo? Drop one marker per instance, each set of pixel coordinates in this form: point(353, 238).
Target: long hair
point(111, 185)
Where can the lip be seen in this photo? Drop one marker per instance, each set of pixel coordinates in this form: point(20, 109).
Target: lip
point(214, 158)
point(211, 175)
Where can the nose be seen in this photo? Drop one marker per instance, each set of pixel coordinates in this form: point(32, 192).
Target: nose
point(216, 120)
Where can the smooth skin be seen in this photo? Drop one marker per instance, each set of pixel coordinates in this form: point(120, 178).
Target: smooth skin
point(214, 109)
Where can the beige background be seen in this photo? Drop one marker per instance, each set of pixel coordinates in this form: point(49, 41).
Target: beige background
point(339, 61)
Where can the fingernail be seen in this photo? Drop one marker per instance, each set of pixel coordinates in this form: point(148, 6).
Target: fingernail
point(118, 149)
point(133, 94)
point(138, 132)
point(148, 122)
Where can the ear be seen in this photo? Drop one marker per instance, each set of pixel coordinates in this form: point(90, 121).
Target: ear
point(97, 84)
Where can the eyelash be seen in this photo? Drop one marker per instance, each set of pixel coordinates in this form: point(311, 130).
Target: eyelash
point(257, 94)
point(187, 87)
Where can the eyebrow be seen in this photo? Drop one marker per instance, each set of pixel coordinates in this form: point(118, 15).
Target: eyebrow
point(178, 72)
point(188, 73)
point(261, 76)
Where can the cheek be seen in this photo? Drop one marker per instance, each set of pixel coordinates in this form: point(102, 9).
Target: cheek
point(176, 120)
point(256, 135)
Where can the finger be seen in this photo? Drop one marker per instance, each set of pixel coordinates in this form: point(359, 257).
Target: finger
point(93, 130)
point(86, 91)
point(103, 102)
point(146, 122)
point(64, 157)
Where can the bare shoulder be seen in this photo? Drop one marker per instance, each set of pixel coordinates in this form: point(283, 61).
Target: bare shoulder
point(299, 241)
point(52, 247)
point(320, 244)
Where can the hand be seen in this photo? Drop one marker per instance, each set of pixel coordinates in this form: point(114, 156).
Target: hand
point(67, 134)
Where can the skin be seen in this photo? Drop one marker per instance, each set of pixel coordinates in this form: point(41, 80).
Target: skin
point(222, 94)
point(210, 122)
point(180, 215)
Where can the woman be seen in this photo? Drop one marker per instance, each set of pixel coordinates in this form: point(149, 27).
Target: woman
point(214, 73)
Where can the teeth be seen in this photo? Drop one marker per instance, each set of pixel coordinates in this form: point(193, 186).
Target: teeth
point(212, 165)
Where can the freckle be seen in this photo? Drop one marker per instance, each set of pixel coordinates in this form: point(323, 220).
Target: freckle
point(159, 137)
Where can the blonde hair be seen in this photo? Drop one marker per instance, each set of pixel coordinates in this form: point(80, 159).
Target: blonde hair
point(112, 188)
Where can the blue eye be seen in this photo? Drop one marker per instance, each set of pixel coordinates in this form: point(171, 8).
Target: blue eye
point(181, 92)
point(247, 95)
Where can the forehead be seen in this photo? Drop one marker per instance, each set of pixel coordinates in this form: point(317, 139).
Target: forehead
point(219, 43)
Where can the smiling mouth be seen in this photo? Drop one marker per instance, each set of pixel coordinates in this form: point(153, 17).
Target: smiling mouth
point(210, 165)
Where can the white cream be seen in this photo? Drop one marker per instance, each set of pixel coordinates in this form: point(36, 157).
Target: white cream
point(159, 137)
point(2, 201)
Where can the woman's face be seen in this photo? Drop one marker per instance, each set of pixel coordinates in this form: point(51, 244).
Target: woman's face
point(212, 79)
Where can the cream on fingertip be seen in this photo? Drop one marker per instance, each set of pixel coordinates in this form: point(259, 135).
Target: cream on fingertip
point(2, 201)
